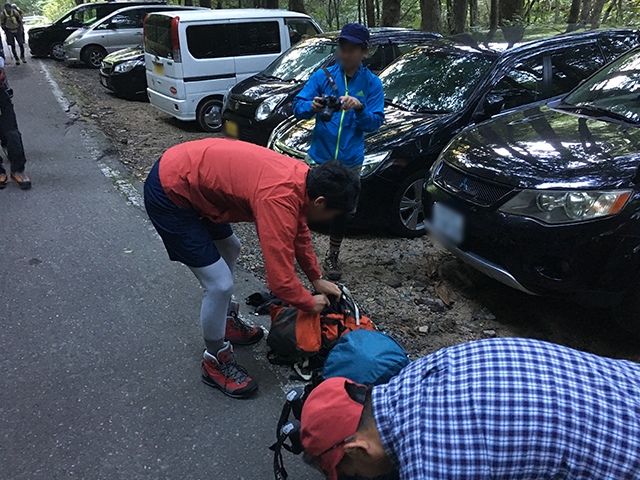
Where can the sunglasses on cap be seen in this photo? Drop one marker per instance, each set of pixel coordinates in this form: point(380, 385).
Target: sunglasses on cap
point(316, 461)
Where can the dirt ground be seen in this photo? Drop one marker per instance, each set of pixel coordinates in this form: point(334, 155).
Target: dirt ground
point(411, 289)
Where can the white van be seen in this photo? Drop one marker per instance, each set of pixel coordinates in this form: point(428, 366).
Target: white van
point(194, 58)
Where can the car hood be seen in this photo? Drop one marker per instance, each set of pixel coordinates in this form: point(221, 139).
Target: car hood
point(39, 28)
point(126, 54)
point(399, 128)
point(544, 148)
point(257, 88)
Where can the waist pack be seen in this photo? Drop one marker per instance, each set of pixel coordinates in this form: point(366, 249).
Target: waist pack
point(298, 336)
point(365, 357)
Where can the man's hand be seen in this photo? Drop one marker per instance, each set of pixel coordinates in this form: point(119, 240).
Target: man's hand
point(349, 103)
point(326, 287)
point(317, 104)
point(321, 302)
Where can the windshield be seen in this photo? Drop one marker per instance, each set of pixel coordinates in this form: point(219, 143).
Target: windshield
point(429, 80)
point(614, 89)
point(299, 62)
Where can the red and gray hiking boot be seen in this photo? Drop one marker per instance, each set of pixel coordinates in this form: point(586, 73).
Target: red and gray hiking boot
point(223, 372)
point(21, 179)
point(238, 332)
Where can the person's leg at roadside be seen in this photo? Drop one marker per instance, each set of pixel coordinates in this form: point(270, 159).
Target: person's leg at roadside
point(188, 240)
point(332, 267)
point(3, 175)
point(20, 39)
point(11, 140)
point(11, 42)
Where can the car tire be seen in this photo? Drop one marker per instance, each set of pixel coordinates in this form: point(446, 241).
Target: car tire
point(209, 115)
point(407, 213)
point(56, 51)
point(93, 55)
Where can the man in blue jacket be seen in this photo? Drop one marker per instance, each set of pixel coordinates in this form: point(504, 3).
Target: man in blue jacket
point(361, 102)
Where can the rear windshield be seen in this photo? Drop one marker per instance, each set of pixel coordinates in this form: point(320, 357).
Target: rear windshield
point(299, 62)
point(157, 35)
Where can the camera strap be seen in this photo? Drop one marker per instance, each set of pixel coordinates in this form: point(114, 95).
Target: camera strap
point(331, 81)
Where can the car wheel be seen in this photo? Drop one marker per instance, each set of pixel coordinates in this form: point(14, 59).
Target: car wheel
point(209, 115)
point(93, 56)
point(56, 50)
point(408, 212)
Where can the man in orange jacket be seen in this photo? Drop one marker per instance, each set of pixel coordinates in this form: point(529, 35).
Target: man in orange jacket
point(197, 189)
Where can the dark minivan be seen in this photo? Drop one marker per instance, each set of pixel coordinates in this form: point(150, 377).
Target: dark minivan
point(435, 91)
point(255, 106)
point(48, 39)
point(547, 200)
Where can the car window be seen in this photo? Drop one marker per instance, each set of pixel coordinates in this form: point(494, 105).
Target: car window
point(571, 66)
point(522, 85)
point(131, 19)
point(257, 38)
point(78, 18)
point(613, 47)
point(299, 62)
point(211, 41)
point(375, 59)
point(299, 29)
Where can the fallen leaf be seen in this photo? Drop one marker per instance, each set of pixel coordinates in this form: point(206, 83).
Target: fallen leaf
point(128, 251)
point(432, 265)
point(443, 291)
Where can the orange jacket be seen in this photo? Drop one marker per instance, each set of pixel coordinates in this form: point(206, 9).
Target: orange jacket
point(233, 181)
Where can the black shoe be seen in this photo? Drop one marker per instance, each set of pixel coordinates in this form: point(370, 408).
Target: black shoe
point(21, 178)
point(331, 266)
point(3, 179)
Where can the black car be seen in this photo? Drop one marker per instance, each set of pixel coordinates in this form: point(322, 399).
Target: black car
point(123, 72)
point(435, 91)
point(255, 106)
point(547, 200)
point(48, 39)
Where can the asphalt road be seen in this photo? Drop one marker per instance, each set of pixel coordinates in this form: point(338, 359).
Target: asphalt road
point(100, 344)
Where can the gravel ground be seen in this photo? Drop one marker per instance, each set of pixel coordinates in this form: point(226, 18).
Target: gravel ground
point(411, 289)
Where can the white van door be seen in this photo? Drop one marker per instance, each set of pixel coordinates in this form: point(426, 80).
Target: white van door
point(260, 42)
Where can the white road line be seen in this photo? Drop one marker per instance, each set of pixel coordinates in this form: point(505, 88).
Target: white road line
point(123, 184)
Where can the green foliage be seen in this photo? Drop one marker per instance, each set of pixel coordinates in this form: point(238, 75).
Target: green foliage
point(54, 9)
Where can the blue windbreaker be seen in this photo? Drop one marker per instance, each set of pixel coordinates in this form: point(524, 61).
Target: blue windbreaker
point(342, 138)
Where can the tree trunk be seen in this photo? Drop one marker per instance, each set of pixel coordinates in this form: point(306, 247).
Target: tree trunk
point(370, 9)
point(390, 13)
point(459, 17)
point(430, 10)
point(510, 10)
point(205, 3)
point(574, 13)
point(596, 13)
point(188, 3)
point(297, 6)
point(585, 9)
point(494, 12)
point(449, 13)
point(612, 4)
point(79, 2)
point(473, 13)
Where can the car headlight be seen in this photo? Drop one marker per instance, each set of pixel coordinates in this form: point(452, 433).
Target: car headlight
point(372, 161)
point(268, 106)
point(566, 206)
point(127, 66)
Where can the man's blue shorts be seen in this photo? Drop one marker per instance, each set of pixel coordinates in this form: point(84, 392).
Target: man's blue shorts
point(187, 236)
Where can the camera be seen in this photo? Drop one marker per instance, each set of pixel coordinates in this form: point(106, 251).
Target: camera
point(330, 104)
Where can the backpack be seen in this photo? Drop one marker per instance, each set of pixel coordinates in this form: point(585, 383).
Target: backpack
point(304, 339)
point(365, 357)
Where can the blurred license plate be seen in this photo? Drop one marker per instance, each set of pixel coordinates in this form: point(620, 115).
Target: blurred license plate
point(158, 68)
point(448, 223)
point(231, 129)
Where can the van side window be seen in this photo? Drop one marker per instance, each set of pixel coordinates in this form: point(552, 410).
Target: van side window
point(257, 38)
point(212, 41)
point(299, 29)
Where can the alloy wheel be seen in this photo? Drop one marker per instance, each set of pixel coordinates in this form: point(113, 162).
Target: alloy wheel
point(96, 57)
point(57, 51)
point(411, 211)
point(213, 116)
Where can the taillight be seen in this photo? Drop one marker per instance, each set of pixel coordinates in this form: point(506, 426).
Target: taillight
point(175, 39)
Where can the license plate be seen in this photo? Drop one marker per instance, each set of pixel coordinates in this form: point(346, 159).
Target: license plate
point(448, 223)
point(231, 129)
point(158, 68)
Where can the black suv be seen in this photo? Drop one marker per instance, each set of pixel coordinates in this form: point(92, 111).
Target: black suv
point(435, 91)
point(547, 200)
point(255, 106)
point(48, 39)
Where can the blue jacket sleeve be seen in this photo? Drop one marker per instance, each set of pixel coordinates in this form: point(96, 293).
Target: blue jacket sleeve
point(372, 116)
point(303, 100)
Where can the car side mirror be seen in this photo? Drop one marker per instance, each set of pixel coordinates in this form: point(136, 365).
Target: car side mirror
point(493, 105)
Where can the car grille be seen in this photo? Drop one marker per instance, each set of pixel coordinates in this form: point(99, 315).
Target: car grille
point(471, 189)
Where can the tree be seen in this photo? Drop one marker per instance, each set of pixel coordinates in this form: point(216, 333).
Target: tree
point(390, 13)
point(596, 13)
point(370, 10)
point(297, 6)
point(585, 9)
point(458, 22)
point(431, 16)
point(473, 13)
point(271, 4)
point(510, 11)
point(205, 3)
point(574, 13)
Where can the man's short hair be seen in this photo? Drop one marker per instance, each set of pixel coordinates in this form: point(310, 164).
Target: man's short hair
point(336, 183)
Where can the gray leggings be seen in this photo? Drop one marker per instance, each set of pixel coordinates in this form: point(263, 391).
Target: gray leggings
point(217, 281)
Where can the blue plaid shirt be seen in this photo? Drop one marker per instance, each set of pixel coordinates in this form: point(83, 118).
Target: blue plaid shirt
point(512, 409)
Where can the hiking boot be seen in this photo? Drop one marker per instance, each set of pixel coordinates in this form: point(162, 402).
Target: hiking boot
point(17, 62)
point(238, 332)
point(223, 372)
point(24, 60)
point(21, 178)
point(3, 179)
point(331, 266)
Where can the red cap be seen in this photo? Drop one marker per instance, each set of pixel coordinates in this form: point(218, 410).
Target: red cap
point(329, 416)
